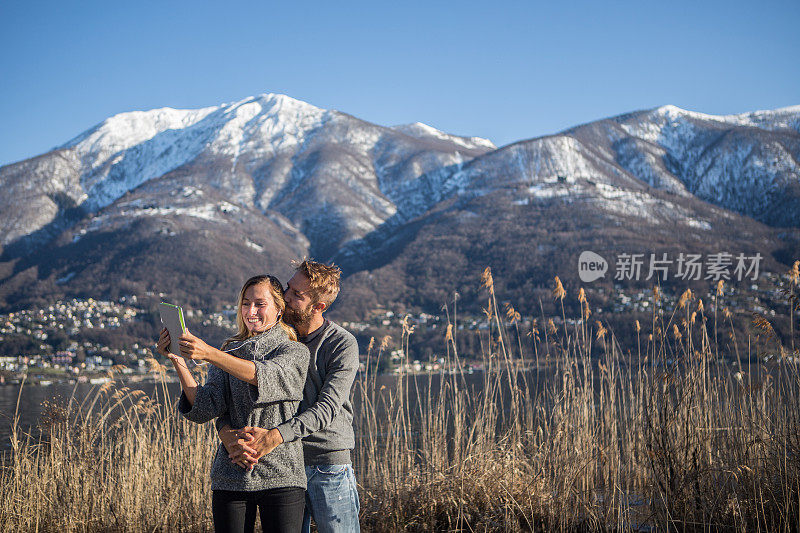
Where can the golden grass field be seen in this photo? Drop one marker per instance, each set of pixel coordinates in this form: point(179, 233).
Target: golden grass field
point(673, 440)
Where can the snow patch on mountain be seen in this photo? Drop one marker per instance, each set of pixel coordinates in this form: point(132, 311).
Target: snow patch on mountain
point(783, 118)
point(125, 130)
point(209, 212)
point(646, 162)
point(257, 247)
point(420, 130)
point(548, 160)
point(264, 125)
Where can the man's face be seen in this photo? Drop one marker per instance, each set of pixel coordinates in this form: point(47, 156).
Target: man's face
point(298, 300)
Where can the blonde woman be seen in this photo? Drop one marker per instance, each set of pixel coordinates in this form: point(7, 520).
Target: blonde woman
point(256, 379)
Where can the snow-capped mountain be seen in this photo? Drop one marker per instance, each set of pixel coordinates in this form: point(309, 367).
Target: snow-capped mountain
point(744, 163)
point(747, 163)
point(271, 152)
point(664, 167)
point(228, 190)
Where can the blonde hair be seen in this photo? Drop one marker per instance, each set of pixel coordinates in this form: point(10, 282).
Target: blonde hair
point(276, 290)
point(323, 280)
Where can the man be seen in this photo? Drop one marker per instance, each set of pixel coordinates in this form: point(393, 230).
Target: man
point(325, 420)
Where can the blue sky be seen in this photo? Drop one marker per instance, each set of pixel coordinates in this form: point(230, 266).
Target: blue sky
point(503, 70)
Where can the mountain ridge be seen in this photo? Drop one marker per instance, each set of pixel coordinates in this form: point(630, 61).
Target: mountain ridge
point(277, 177)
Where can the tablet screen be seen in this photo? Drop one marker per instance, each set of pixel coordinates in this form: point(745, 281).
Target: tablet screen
point(172, 318)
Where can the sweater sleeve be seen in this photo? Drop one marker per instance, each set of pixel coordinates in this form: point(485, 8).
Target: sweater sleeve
point(210, 401)
point(339, 378)
point(281, 377)
point(222, 421)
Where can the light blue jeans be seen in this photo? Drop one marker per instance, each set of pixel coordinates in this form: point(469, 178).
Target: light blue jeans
point(331, 499)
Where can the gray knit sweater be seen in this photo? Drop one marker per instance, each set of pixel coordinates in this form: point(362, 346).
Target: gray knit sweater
point(281, 366)
point(325, 422)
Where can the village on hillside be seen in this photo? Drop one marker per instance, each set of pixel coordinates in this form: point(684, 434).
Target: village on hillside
point(80, 340)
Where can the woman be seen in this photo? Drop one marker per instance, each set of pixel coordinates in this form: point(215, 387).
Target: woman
point(256, 379)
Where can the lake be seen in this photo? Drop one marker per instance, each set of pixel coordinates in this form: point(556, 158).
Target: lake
point(33, 396)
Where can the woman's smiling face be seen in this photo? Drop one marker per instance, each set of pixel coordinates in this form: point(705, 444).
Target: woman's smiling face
point(258, 308)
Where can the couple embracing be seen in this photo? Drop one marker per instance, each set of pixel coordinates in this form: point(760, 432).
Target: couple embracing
point(279, 392)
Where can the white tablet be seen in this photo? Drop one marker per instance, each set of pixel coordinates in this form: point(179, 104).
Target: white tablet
point(172, 318)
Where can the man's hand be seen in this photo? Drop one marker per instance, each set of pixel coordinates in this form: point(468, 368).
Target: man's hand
point(259, 440)
point(238, 451)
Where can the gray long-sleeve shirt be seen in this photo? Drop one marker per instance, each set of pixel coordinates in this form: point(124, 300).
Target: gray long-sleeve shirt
point(325, 422)
point(281, 366)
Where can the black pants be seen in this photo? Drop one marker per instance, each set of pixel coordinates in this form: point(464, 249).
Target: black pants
point(281, 510)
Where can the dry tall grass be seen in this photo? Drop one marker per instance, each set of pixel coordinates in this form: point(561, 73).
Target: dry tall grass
point(116, 461)
point(672, 440)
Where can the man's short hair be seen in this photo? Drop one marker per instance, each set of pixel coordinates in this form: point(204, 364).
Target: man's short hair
point(323, 280)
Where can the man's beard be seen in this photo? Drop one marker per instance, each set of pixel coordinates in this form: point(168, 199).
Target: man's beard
point(296, 318)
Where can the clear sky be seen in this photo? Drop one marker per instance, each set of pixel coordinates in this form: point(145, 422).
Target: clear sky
point(503, 70)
